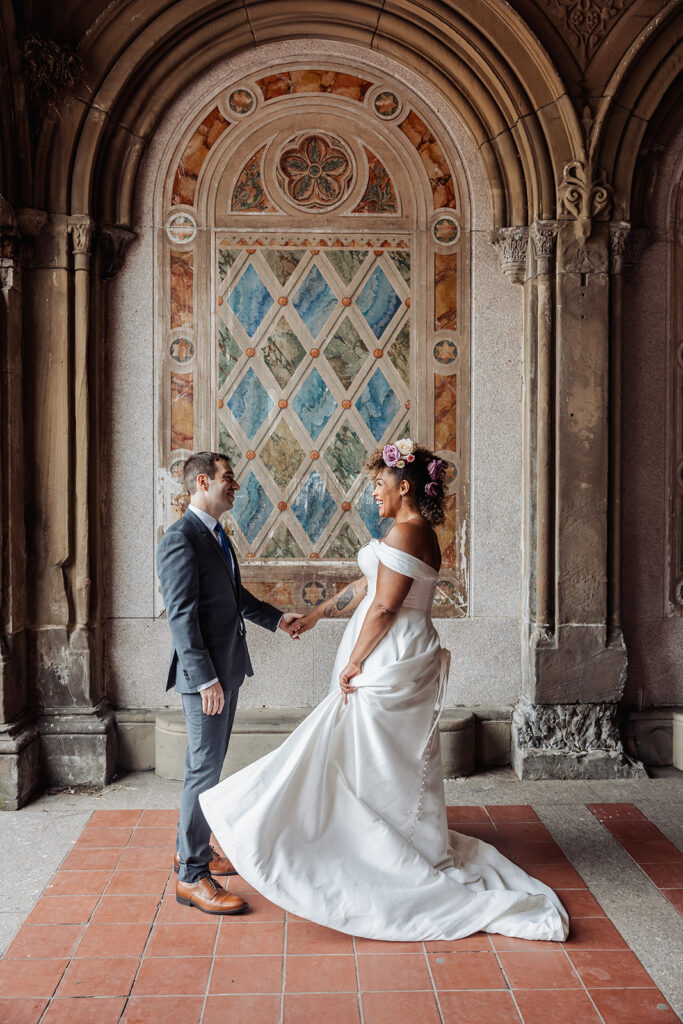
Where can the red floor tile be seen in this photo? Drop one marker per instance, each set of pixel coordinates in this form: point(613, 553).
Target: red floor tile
point(458, 815)
point(329, 972)
point(237, 884)
point(21, 1011)
point(480, 942)
point(524, 831)
point(466, 970)
point(618, 812)
point(134, 882)
point(92, 858)
point(113, 819)
point(172, 912)
point(238, 939)
point(674, 896)
point(639, 829)
point(539, 970)
point(637, 1006)
point(181, 976)
point(260, 909)
point(558, 876)
point(665, 876)
point(600, 969)
point(255, 974)
point(580, 903)
point(306, 937)
point(243, 1009)
point(593, 933)
point(166, 1009)
point(647, 851)
point(364, 946)
point(479, 830)
point(505, 943)
point(400, 1008)
point(567, 1007)
point(479, 1008)
point(159, 819)
point(160, 836)
point(84, 1011)
point(188, 940)
point(62, 910)
point(517, 812)
point(393, 973)
point(119, 909)
point(78, 883)
point(536, 853)
point(102, 940)
point(340, 1008)
point(146, 858)
point(40, 941)
point(110, 976)
point(30, 978)
point(101, 837)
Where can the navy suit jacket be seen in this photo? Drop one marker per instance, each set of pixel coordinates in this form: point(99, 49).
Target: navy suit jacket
point(206, 609)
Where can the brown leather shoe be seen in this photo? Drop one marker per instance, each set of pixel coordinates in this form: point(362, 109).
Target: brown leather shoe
point(208, 896)
point(219, 865)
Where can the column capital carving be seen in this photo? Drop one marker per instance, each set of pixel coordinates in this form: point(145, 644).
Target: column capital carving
point(9, 244)
point(113, 243)
point(582, 197)
point(543, 235)
point(81, 229)
point(618, 235)
point(512, 245)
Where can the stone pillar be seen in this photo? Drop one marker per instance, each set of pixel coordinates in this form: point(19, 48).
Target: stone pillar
point(19, 744)
point(574, 657)
point(77, 729)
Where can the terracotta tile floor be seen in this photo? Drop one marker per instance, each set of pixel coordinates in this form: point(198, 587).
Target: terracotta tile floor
point(107, 943)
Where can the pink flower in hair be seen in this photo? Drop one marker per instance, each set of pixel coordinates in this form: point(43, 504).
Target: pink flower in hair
point(391, 455)
point(431, 489)
point(435, 468)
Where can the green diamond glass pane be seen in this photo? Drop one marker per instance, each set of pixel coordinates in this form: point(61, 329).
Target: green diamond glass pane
point(346, 262)
point(344, 545)
point(226, 259)
point(283, 352)
point(399, 352)
point(346, 352)
point(345, 456)
point(282, 544)
point(227, 445)
point(282, 454)
point(401, 261)
point(283, 262)
point(228, 354)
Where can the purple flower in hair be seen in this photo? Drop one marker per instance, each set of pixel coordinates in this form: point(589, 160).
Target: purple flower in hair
point(431, 489)
point(391, 455)
point(435, 468)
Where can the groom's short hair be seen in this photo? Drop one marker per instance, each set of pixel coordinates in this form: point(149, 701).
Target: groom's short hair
point(201, 462)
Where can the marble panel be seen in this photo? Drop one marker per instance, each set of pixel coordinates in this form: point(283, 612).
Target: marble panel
point(345, 456)
point(401, 261)
point(194, 155)
point(281, 544)
point(344, 544)
point(366, 507)
point(346, 352)
point(182, 411)
point(433, 159)
point(313, 403)
point(378, 302)
point(445, 413)
point(445, 291)
point(314, 301)
point(250, 300)
point(252, 506)
point(226, 260)
point(378, 404)
point(228, 353)
point(379, 195)
point(249, 193)
point(227, 445)
point(182, 289)
point(283, 352)
point(287, 83)
point(314, 506)
point(250, 403)
point(447, 533)
point(283, 262)
point(346, 262)
point(282, 454)
point(399, 352)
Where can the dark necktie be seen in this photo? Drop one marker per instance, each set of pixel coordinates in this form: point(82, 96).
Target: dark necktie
point(220, 533)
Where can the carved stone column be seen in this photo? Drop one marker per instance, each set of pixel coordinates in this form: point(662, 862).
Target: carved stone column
point(574, 658)
point(19, 744)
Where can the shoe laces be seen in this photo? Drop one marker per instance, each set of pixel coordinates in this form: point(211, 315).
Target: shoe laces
point(212, 885)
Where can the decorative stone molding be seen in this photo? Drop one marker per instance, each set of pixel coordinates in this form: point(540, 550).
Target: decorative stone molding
point(81, 228)
point(512, 244)
point(571, 728)
point(112, 245)
point(543, 235)
point(581, 197)
point(618, 235)
point(587, 21)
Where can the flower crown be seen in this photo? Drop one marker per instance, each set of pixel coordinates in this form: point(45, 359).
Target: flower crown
point(397, 455)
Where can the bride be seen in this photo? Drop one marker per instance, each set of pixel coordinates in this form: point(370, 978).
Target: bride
point(345, 823)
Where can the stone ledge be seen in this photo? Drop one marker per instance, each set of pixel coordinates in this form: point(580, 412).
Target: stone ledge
point(655, 736)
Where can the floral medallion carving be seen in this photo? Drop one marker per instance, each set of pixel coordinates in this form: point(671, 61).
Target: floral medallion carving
point(580, 196)
point(316, 171)
point(588, 21)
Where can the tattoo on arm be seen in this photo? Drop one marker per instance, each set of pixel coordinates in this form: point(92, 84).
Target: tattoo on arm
point(337, 604)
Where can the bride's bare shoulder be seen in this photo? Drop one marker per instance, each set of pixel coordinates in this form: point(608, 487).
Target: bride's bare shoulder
point(415, 538)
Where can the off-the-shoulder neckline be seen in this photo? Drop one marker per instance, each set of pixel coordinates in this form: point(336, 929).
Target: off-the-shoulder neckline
point(389, 547)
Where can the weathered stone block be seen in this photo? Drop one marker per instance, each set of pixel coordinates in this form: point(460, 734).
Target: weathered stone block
point(78, 749)
point(19, 765)
point(457, 743)
point(577, 664)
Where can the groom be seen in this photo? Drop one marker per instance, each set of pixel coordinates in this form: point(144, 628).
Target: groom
point(206, 605)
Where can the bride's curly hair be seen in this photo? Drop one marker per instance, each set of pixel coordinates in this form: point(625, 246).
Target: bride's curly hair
point(430, 502)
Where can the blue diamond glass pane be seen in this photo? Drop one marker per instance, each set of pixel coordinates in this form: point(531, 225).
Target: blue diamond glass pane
point(314, 301)
point(313, 506)
point(378, 404)
point(366, 506)
point(314, 404)
point(378, 301)
point(252, 507)
point(250, 300)
point(250, 403)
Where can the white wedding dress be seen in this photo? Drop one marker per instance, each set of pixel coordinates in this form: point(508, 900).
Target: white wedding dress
point(345, 823)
